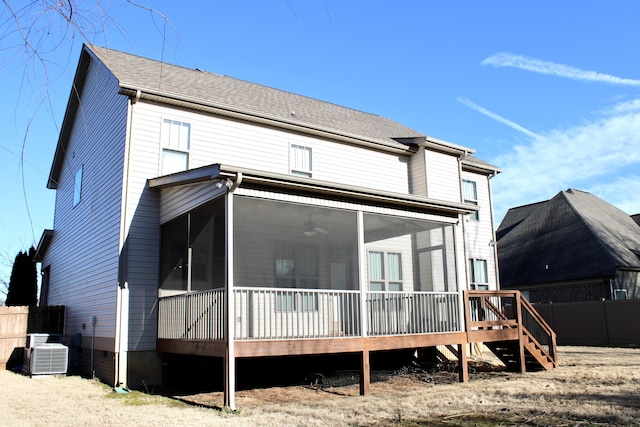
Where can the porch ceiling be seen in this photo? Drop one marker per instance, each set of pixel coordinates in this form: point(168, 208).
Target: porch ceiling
point(250, 177)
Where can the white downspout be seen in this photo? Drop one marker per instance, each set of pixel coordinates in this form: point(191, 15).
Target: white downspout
point(230, 357)
point(122, 297)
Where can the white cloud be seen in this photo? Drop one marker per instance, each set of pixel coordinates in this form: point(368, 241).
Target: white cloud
point(621, 192)
point(496, 117)
point(624, 107)
point(589, 157)
point(551, 68)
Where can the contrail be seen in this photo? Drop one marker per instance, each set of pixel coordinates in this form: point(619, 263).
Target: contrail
point(551, 68)
point(496, 117)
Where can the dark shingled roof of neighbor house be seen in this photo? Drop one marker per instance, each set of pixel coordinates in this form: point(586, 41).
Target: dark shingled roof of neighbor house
point(575, 235)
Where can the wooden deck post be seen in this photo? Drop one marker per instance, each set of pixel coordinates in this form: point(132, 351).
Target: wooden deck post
point(463, 365)
point(365, 373)
point(522, 360)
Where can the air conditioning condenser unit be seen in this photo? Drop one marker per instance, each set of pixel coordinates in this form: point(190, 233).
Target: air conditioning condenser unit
point(46, 359)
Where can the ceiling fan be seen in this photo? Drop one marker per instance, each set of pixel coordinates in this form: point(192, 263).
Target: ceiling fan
point(310, 228)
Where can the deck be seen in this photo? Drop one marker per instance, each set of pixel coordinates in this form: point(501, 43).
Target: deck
point(286, 322)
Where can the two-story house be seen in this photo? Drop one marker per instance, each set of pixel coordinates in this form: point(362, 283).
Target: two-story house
point(200, 214)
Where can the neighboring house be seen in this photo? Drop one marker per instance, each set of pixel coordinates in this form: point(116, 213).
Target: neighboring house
point(573, 247)
point(185, 199)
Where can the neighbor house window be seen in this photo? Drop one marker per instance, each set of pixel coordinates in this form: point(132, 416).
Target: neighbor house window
point(176, 142)
point(619, 294)
point(470, 196)
point(301, 160)
point(478, 276)
point(385, 271)
point(77, 187)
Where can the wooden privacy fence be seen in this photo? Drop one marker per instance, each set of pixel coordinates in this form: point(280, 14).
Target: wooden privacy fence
point(17, 322)
point(613, 323)
point(13, 331)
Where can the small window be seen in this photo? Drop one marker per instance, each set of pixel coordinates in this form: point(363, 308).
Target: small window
point(478, 275)
point(301, 161)
point(296, 266)
point(470, 196)
point(385, 271)
point(619, 294)
point(176, 142)
point(77, 187)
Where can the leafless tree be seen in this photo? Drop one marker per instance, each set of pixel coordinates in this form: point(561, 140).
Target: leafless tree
point(37, 38)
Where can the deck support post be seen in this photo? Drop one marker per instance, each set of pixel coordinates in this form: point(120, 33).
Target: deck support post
point(229, 356)
point(463, 365)
point(365, 373)
point(522, 360)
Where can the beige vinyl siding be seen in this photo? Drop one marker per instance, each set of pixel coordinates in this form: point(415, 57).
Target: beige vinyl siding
point(142, 230)
point(443, 176)
point(176, 201)
point(234, 143)
point(419, 173)
point(84, 251)
point(479, 234)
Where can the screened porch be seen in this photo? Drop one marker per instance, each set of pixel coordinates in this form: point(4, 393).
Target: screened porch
point(289, 270)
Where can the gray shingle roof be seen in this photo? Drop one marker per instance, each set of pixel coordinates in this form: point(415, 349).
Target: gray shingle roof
point(575, 235)
point(135, 72)
point(475, 163)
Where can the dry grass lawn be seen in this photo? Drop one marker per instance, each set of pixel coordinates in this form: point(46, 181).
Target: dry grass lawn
point(593, 386)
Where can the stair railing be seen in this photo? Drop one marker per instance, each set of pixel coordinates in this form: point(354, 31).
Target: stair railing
point(538, 329)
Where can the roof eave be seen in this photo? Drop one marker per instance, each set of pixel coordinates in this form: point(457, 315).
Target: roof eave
point(446, 146)
point(174, 99)
point(252, 177)
point(69, 117)
point(43, 245)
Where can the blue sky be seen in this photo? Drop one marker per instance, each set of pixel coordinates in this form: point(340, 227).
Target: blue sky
point(547, 91)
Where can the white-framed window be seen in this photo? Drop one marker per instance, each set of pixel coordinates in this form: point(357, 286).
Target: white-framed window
point(176, 142)
point(77, 187)
point(385, 271)
point(478, 274)
point(619, 294)
point(296, 267)
point(470, 196)
point(301, 160)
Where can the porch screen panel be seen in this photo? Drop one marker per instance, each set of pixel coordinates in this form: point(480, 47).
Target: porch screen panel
point(420, 255)
point(206, 239)
point(192, 250)
point(174, 254)
point(290, 245)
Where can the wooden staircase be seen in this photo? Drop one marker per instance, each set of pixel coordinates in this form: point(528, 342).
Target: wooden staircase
point(512, 329)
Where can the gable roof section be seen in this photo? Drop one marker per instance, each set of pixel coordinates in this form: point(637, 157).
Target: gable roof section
point(142, 78)
point(227, 93)
point(473, 164)
point(573, 236)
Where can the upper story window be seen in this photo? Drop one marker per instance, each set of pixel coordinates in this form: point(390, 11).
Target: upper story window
point(176, 141)
point(300, 161)
point(478, 275)
point(470, 196)
point(77, 187)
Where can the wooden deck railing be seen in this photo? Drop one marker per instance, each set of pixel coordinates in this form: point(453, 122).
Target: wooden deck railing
point(506, 315)
point(268, 313)
point(538, 328)
point(403, 313)
point(192, 316)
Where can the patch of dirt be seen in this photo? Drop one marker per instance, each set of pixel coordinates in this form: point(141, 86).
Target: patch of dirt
point(592, 386)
